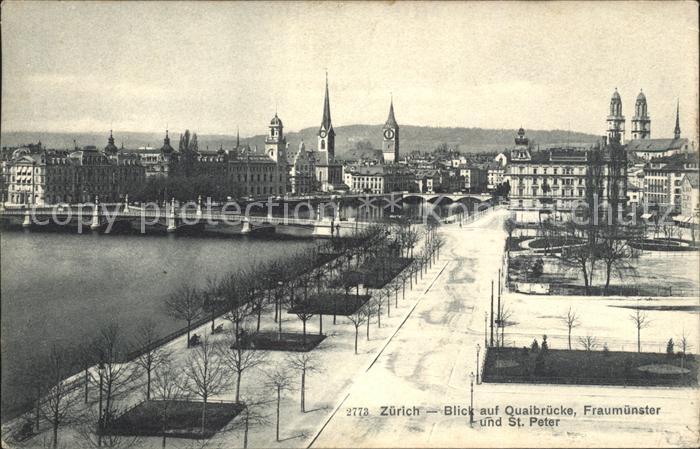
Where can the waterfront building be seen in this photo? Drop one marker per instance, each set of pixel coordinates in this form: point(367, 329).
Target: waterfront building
point(157, 162)
point(474, 178)
point(37, 176)
point(551, 181)
point(379, 179)
point(495, 172)
point(301, 171)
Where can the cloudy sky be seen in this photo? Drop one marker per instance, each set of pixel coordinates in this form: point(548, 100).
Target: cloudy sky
point(215, 66)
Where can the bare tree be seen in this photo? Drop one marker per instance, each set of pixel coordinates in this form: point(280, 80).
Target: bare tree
point(113, 375)
point(357, 319)
point(92, 437)
point(280, 379)
point(376, 302)
point(641, 321)
point(571, 320)
point(305, 363)
point(58, 402)
point(205, 373)
point(150, 354)
point(240, 359)
point(168, 386)
point(238, 309)
point(303, 312)
point(615, 250)
point(589, 343)
point(185, 304)
point(250, 416)
point(212, 303)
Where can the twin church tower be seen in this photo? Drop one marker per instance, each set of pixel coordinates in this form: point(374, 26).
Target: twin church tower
point(641, 122)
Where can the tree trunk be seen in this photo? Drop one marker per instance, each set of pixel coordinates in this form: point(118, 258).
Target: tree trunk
point(356, 332)
point(303, 384)
point(238, 384)
point(303, 336)
point(368, 320)
point(204, 414)
point(279, 398)
point(245, 431)
point(148, 383)
point(320, 324)
point(164, 428)
point(55, 430)
point(188, 333)
point(639, 339)
point(257, 329)
point(569, 339)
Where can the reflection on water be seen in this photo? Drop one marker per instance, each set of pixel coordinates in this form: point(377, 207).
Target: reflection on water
point(60, 287)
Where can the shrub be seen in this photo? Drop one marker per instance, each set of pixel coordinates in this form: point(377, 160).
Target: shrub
point(534, 347)
point(669, 347)
point(538, 268)
point(545, 346)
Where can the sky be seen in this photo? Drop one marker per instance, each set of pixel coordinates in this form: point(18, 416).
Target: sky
point(215, 67)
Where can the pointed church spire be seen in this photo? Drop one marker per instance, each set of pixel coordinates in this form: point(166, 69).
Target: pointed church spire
point(677, 130)
point(326, 122)
point(391, 120)
point(238, 137)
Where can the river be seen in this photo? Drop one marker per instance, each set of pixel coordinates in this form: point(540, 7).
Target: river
point(62, 287)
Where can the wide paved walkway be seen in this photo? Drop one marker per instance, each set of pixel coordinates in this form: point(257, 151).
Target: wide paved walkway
point(425, 367)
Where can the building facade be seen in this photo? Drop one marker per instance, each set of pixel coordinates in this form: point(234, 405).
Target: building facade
point(552, 182)
point(37, 176)
point(379, 179)
point(663, 177)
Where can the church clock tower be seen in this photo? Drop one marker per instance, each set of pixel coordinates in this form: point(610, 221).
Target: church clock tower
point(326, 133)
point(390, 131)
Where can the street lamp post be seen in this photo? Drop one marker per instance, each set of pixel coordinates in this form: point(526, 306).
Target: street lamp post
point(478, 348)
point(471, 401)
point(101, 369)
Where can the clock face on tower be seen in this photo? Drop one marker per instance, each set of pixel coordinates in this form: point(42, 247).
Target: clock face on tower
point(389, 133)
point(323, 134)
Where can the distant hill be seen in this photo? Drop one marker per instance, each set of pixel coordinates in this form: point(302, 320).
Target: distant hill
point(423, 138)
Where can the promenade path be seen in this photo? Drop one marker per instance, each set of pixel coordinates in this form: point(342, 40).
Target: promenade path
point(427, 364)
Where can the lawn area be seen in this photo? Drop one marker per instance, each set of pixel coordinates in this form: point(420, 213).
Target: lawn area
point(184, 419)
point(652, 273)
point(377, 273)
point(286, 341)
point(559, 366)
point(331, 303)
